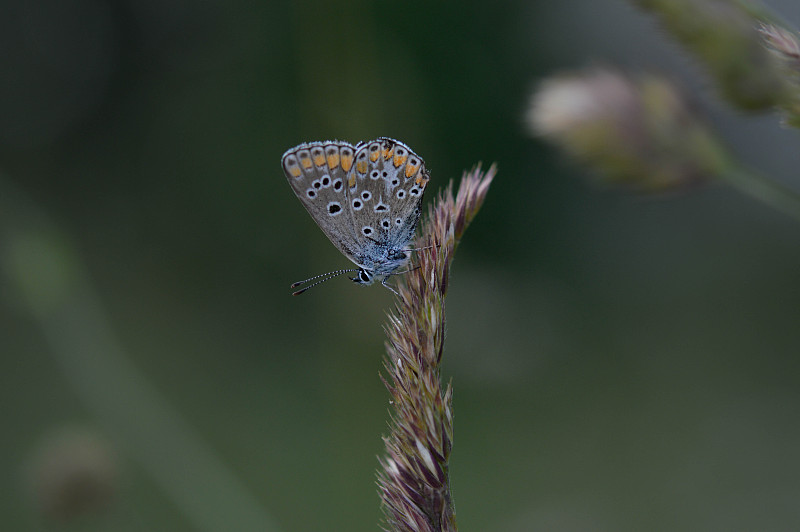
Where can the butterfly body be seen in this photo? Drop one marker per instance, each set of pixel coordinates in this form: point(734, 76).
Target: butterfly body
point(365, 197)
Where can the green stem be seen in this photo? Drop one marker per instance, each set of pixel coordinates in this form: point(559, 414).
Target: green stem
point(774, 194)
point(38, 260)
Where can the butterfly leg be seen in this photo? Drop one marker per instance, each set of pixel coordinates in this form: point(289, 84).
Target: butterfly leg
point(383, 282)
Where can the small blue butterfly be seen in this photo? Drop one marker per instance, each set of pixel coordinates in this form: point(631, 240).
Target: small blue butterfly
point(366, 199)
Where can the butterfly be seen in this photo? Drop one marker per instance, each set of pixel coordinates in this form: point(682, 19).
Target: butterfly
point(366, 199)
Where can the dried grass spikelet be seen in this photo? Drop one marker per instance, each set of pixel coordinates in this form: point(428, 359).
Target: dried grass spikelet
point(723, 36)
point(414, 479)
point(783, 42)
point(642, 133)
point(784, 45)
point(72, 473)
point(636, 132)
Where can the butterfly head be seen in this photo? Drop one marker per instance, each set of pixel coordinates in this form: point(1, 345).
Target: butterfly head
point(365, 277)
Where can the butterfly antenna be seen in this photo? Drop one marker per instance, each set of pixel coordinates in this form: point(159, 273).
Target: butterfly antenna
point(422, 249)
point(406, 271)
point(327, 276)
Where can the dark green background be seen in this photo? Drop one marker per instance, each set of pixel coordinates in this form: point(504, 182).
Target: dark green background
point(619, 362)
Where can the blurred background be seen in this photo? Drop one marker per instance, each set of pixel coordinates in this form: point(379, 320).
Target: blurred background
point(619, 362)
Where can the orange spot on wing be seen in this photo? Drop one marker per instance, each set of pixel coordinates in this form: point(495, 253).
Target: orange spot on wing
point(411, 170)
point(399, 159)
point(373, 155)
point(387, 152)
point(305, 159)
point(333, 160)
point(319, 159)
point(347, 162)
point(295, 170)
point(352, 181)
point(361, 167)
point(421, 180)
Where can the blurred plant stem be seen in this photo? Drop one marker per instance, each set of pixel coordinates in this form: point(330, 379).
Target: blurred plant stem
point(643, 134)
point(49, 284)
point(770, 192)
point(414, 479)
point(750, 53)
point(723, 37)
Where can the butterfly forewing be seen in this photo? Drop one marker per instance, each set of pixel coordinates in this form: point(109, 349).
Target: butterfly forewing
point(319, 173)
